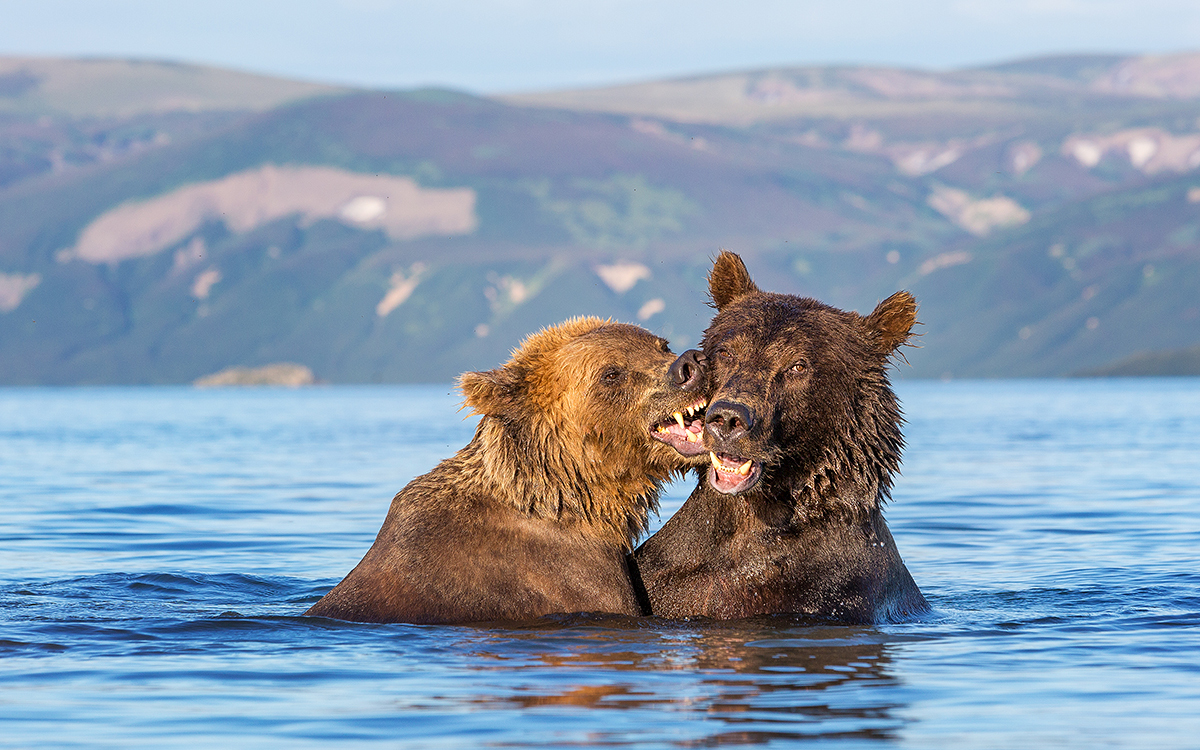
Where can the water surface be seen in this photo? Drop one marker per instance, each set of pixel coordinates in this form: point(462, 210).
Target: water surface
point(159, 544)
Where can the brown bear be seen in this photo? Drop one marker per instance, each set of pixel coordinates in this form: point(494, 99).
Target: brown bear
point(537, 514)
point(804, 436)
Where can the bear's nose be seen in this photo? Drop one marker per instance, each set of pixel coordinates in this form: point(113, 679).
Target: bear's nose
point(688, 371)
point(728, 420)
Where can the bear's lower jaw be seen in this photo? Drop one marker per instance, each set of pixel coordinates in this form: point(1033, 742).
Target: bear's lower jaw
point(731, 475)
point(681, 444)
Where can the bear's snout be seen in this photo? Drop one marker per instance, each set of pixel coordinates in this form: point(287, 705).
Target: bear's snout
point(728, 421)
point(687, 372)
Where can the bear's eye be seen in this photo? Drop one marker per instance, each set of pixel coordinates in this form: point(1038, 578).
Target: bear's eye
point(724, 354)
point(612, 376)
point(799, 367)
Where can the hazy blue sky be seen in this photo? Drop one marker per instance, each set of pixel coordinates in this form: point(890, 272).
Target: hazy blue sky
point(507, 45)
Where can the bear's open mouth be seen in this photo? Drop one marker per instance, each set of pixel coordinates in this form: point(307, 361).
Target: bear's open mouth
point(683, 430)
point(731, 474)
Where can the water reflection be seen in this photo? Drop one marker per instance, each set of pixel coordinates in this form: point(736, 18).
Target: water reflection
point(750, 682)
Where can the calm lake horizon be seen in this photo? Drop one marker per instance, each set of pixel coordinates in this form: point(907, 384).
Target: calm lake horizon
point(160, 544)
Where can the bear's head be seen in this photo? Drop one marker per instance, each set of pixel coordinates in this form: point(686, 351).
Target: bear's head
point(800, 407)
point(586, 421)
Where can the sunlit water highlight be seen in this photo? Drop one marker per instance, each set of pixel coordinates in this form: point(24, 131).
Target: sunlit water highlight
point(159, 544)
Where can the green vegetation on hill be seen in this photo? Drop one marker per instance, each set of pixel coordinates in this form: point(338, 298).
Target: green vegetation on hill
point(1175, 363)
point(1077, 288)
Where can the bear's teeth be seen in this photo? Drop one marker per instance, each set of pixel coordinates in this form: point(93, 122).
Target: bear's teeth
point(679, 419)
point(718, 464)
point(743, 470)
point(691, 436)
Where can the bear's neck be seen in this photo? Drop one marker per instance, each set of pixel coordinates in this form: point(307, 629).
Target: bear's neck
point(851, 479)
point(538, 475)
point(833, 492)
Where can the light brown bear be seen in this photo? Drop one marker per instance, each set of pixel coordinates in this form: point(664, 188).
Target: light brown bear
point(538, 513)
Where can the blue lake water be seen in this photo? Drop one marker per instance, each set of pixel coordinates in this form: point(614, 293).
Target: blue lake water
point(158, 545)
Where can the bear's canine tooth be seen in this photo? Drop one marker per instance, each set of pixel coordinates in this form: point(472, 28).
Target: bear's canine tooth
point(691, 436)
point(743, 470)
point(679, 418)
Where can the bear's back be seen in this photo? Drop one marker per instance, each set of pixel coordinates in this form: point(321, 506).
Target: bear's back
point(445, 557)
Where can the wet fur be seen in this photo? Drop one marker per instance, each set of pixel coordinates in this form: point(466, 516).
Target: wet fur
point(537, 514)
point(809, 538)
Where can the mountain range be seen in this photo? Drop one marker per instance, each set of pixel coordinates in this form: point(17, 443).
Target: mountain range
point(160, 222)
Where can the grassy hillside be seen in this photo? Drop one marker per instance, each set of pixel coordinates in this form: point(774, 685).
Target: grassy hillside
point(558, 195)
point(1169, 363)
point(61, 115)
point(994, 93)
point(1076, 289)
point(1047, 219)
point(107, 88)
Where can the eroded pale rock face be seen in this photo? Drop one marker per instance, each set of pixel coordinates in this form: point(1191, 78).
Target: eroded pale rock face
point(203, 283)
point(622, 275)
point(914, 159)
point(651, 308)
point(1150, 150)
point(945, 260)
point(245, 200)
point(286, 374)
point(914, 84)
point(400, 288)
point(977, 216)
point(1165, 76)
point(1023, 156)
point(14, 287)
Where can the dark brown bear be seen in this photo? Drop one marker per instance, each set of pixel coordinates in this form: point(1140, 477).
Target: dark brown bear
point(804, 434)
point(537, 513)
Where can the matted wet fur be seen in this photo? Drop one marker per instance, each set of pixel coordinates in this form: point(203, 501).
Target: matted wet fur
point(804, 434)
point(536, 515)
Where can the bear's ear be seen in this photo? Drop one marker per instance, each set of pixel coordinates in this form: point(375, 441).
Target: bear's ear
point(892, 320)
point(728, 280)
point(490, 393)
